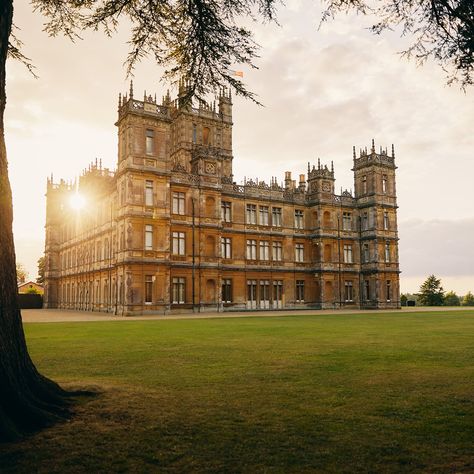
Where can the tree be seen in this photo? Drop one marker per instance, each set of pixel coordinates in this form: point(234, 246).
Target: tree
point(431, 292)
point(468, 299)
point(21, 273)
point(451, 299)
point(442, 30)
point(196, 40)
point(403, 299)
point(41, 268)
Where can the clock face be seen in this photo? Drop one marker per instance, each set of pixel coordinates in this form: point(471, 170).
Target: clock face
point(210, 167)
point(326, 186)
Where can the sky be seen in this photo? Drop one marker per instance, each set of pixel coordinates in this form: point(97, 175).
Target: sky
point(323, 90)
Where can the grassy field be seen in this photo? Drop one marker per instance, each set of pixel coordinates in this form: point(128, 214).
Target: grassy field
point(387, 392)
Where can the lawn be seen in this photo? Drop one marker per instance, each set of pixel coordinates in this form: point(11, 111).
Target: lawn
point(388, 392)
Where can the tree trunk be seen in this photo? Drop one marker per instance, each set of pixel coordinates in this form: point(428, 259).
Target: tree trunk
point(28, 401)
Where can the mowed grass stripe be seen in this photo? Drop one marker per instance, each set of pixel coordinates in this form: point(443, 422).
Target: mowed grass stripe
point(387, 392)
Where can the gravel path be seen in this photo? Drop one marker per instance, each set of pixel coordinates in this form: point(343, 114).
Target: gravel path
point(61, 315)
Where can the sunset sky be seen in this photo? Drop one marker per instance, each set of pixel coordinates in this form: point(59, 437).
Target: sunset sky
point(323, 92)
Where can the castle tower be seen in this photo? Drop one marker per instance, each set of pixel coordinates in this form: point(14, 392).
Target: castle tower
point(375, 193)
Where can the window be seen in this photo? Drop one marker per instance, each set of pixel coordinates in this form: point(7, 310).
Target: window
point(385, 221)
point(251, 215)
point(299, 252)
point(384, 183)
point(300, 291)
point(226, 211)
point(388, 290)
point(364, 184)
point(178, 203)
point(148, 289)
point(277, 293)
point(205, 136)
point(299, 224)
point(150, 142)
point(226, 291)
point(226, 247)
point(264, 294)
point(263, 217)
point(365, 221)
point(148, 193)
point(276, 216)
point(348, 291)
point(178, 296)
point(367, 290)
point(346, 221)
point(148, 237)
point(365, 253)
point(252, 249)
point(387, 251)
point(251, 293)
point(277, 251)
point(194, 133)
point(179, 247)
point(264, 250)
point(348, 253)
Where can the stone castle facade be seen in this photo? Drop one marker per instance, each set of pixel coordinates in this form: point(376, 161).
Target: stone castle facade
point(170, 230)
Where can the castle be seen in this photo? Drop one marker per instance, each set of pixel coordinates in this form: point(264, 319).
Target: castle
point(170, 230)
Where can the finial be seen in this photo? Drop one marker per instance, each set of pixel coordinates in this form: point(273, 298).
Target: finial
point(155, 98)
point(332, 166)
point(144, 95)
point(131, 89)
point(100, 163)
point(319, 164)
point(354, 152)
point(373, 146)
point(393, 151)
point(309, 169)
point(120, 100)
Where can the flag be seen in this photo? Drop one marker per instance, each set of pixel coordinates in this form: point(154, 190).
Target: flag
point(237, 73)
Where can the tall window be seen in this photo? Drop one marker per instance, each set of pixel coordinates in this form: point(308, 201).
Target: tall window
point(148, 193)
point(348, 253)
point(277, 251)
point(365, 253)
point(299, 252)
point(387, 251)
point(264, 250)
point(388, 290)
point(385, 221)
point(226, 247)
point(179, 243)
point(263, 217)
point(194, 133)
point(300, 291)
point(178, 203)
point(367, 290)
point(226, 211)
point(148, 237)
point(346, 221)
point(179, 285)
point(384, 183)
point(206, 136)
point(148, 289)
point(299, 224)
point(276, 216)
point(251, 293)
point(348, 291)
point(150, 142)
point(251, 249)
point(365, 220)
point(226, 291)
point(251, 214)
point(364, 184)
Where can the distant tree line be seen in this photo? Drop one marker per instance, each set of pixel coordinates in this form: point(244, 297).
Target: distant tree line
point(431, 293)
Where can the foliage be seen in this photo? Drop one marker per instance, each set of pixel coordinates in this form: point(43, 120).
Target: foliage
point(41, 269)
point(21, 273)
point(451, 299)
point(198, 40)
point(32, 291)
point(468, 299)
point(431, 292)
point(442, 30)
point(403, 299)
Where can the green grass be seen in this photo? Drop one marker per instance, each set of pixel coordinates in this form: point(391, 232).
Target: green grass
point(388, 392)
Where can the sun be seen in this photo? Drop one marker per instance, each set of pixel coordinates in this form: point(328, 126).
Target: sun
point(77, 201)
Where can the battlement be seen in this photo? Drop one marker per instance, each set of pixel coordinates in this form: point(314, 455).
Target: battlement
point(369, 158)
